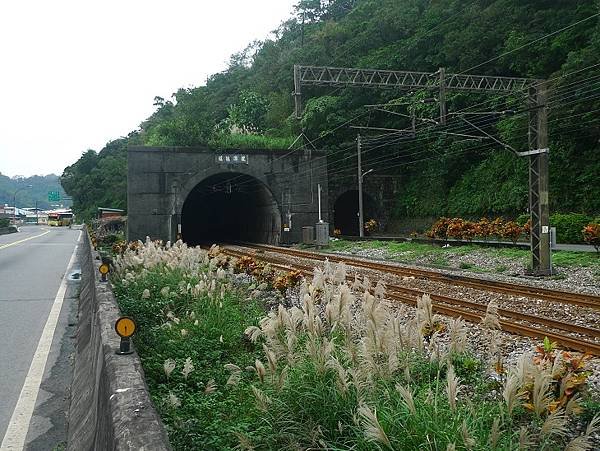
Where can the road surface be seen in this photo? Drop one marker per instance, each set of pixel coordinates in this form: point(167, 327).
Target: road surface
point(37, 322)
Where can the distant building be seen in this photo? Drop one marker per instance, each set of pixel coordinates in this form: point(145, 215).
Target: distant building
point(9, 212)
point(105, 213)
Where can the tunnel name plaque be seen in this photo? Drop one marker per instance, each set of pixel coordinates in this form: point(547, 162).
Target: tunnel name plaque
point(232, 159)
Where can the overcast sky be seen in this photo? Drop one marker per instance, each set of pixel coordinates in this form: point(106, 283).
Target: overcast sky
point(75, 74)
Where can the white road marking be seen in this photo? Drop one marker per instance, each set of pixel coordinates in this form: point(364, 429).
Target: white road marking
point(16, 433)
point(23, 240)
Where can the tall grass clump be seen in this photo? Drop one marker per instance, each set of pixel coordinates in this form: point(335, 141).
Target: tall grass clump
point(332, 366)
point(191, 323)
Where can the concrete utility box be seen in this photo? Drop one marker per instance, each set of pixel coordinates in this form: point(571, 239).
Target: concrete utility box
point(308, 235)
point(322, 234)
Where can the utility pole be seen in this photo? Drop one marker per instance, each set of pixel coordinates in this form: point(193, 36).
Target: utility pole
point(541, 263)
point(361, 175)
point(15, 202)
point(361, 231)
point(443, 108)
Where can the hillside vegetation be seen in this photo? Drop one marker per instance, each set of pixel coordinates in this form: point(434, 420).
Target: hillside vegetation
point(27, 196)
point(249, 104)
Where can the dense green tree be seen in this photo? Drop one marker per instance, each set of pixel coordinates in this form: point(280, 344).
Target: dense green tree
point(440, 174)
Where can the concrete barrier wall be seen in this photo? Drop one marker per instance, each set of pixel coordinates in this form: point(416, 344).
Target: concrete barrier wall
point(7, 230)
point(110, 404)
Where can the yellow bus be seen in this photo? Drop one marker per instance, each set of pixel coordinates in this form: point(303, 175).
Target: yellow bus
point(60, 218)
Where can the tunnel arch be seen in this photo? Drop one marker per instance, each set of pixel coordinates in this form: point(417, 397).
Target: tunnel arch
point(230, 206)
point(345, 212)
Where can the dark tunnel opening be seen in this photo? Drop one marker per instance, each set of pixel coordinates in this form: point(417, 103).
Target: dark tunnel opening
point(230, 207)
point(345, 212)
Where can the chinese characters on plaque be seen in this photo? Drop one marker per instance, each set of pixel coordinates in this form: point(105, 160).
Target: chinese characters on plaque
point(232, 159)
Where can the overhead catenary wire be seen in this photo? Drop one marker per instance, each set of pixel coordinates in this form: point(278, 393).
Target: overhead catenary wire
point(470, 107)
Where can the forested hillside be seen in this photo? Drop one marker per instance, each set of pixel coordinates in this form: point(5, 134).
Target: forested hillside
point(26, 195)
point(250, 104)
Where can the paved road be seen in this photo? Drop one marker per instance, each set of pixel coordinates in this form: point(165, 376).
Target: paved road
point(33, 263)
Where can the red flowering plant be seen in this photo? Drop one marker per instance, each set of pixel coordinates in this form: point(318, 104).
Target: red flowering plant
point(591, 235)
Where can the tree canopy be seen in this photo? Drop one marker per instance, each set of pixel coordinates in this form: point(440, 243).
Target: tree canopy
point(249, 104)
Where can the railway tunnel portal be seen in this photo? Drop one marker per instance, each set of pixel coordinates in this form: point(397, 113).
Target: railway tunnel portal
point(203, 196)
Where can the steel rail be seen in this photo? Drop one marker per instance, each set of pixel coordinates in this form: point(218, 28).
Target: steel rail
point(565, 297)
point(450, 306)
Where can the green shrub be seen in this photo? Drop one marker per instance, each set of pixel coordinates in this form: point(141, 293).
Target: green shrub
point(522, 219)
point(4, 222)
point(569, 226)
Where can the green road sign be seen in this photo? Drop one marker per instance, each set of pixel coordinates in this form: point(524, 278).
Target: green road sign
point(53, 196)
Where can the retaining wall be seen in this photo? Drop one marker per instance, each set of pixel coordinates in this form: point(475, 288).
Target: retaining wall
point(110, 404)
point(7, 230)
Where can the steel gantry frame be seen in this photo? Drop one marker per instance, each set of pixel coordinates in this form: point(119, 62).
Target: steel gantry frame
point(536, 91)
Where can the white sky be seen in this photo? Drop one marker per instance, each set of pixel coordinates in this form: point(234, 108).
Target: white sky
point(75, 74)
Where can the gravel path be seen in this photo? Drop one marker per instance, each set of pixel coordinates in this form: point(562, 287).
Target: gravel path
point(576, 278)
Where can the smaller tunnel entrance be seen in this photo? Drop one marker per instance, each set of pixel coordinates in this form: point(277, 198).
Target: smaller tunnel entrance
point(230, 207)
point(345, 212)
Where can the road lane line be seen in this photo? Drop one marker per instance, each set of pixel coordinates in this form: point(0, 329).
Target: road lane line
point(23, 240)
point(16, 433)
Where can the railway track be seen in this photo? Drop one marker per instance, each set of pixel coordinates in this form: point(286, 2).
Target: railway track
point(565, 297)
point(569, 335)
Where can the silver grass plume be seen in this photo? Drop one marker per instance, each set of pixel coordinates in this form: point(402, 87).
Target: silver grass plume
point(244, 442)
point(540, 394)
point(253, 333)
point(371, 427)
point(282, 377)
point(188, 367)
point(457, 331)
point(339, 275)
point(524, 438)
point(380, 290)
point(341, 380)
point(491, 319)
point(173, 400)
point(494, 433)
point(468, 440)
point(318, 281)
point(168, 367)
point(407, 374)
point(356, 286)
point(262, 400)
point(554, 424)
point(327, 270)
point(407, 398)
point(210, 387)
point(359, 380)
point(366, 284)
point(271, 359)
point(260, 370)
point(236, 374)
point(573, 407)
point(452, 387)
point(320, 350)
point(584, 442)
point(303, 289)
point(510, 392)
point(425, 312)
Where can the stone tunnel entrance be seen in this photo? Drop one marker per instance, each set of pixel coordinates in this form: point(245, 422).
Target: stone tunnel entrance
point(345, 212)
point(230, 207)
